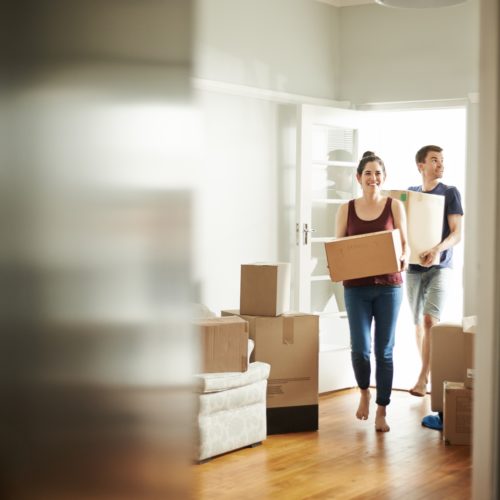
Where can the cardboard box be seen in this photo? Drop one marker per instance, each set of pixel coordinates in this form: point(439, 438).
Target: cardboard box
point(457, 413)
point(290, 344)
point(450, 353)
point(265, 289)
point(224, 344)
point(424, 214)
point(364, 255)
point(469, 327)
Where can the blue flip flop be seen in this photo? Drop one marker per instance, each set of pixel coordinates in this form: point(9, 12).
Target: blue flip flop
point(433, 422)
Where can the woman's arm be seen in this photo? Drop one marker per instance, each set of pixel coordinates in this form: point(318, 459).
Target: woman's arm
point(399, 214)
point(341, 221)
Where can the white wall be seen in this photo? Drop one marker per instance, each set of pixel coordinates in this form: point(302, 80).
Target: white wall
point(283, 45)
point(237, 194)
point(246, 196)
point(408, 54)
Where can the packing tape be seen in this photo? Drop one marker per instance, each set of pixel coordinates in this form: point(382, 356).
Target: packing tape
point(288, 325)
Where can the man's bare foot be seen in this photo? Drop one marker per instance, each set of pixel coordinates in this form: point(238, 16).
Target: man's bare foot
point(381, 424)
point(364, 404)
point(419, 390)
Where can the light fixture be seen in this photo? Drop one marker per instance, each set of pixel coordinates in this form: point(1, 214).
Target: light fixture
point(419, 4)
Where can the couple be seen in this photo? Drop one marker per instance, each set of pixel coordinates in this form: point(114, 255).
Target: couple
point(378, 298)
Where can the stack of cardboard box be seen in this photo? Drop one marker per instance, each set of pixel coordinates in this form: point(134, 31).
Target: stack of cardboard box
point(288, 341)
point(452, 373)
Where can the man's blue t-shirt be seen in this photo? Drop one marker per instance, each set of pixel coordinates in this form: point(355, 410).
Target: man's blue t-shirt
point(452, 205)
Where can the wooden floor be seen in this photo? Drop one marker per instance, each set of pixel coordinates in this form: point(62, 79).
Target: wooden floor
point(345, 459)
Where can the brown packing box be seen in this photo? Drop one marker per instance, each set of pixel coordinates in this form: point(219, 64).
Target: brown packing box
point(457, 413)
point(364, 255)
point(290, 344)
point(469, 324)
point(424, 214)
point(450, 347)
point(265, 289)
point(224, 344)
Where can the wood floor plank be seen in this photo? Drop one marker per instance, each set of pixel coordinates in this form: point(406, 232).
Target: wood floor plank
point(345, 459)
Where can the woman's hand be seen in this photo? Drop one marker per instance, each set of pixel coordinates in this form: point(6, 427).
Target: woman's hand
point(404, 259)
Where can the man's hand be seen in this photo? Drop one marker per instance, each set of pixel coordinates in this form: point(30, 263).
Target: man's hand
point(427, 257)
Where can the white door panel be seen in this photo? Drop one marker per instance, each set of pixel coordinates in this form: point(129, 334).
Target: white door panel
point(327, 156)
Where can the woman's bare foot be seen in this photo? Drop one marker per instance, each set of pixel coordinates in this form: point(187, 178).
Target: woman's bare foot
point(381, 424)
point(364, 404)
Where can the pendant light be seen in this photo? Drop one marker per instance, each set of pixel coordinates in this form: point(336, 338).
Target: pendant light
point(419, 4)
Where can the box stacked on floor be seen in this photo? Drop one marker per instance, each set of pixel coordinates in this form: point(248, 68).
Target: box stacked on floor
point(288, 341)
point(452, 368)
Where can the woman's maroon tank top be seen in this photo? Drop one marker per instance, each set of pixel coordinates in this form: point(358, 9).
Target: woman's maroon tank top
point(384, 222)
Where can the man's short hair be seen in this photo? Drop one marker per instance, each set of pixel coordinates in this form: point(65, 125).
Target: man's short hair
point(422, 152)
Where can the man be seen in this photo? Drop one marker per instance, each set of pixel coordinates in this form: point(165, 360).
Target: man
point(427, 284)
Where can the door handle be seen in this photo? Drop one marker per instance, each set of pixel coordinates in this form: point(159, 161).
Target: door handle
point(305, 233)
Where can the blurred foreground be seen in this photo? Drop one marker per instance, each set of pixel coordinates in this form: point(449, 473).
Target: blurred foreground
point(95, 348)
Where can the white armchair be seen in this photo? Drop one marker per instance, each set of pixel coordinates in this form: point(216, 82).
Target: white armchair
point(232, 410)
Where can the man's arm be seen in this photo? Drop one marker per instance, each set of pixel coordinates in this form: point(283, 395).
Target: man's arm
point(455, 223)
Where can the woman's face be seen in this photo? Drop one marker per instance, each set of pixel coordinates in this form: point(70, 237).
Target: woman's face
point(372, 177)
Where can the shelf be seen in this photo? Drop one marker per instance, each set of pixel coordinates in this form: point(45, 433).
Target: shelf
point(330, 201)
point(327, 163)
point(321, 277)
point(340, 314)
point(333, 347)
point(323, 239)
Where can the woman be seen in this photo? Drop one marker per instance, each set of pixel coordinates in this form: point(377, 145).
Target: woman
point(375, 298)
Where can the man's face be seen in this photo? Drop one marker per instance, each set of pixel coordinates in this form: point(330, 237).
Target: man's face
point(433, 167)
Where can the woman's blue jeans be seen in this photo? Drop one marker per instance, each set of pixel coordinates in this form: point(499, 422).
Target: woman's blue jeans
point(365, 304)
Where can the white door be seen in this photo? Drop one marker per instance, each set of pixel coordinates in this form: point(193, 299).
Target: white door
point(328, 145)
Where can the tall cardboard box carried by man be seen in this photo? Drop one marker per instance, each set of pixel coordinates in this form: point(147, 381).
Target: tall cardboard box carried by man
point(265, 289)
point(290, 344)
point(364, 255)
point(424, 215)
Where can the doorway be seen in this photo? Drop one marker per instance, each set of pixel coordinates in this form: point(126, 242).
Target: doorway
point(326, 181)
point(396, 136)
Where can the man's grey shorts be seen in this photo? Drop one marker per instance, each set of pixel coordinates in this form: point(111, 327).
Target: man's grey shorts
point(427, 292)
